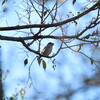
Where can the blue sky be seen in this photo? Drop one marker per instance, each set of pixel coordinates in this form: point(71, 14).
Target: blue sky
point(71, 67)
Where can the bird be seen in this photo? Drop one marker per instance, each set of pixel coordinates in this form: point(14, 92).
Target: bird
point(47, 49)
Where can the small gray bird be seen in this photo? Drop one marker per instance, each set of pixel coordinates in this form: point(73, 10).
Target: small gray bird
point(47, 49)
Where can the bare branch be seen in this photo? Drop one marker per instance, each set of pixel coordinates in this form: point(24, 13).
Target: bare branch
point(50, 25)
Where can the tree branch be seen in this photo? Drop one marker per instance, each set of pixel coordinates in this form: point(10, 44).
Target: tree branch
point(50, 25)
point(18, 39)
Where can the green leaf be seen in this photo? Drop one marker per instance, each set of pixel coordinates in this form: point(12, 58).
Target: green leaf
point(12, 98)
point(22, 97)
point(39, 60)
point(44, 64)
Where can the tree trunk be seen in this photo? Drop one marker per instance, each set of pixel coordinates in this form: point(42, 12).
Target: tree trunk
point(1, 85)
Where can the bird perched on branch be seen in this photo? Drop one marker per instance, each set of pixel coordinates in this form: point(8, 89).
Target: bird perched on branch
point(47, 49)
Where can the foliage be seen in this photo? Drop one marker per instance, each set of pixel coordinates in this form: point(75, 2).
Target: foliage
point(41, 21)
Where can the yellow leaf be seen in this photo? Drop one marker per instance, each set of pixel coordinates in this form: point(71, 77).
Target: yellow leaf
point(79, 48)
point(22, 91)
point(60, 1)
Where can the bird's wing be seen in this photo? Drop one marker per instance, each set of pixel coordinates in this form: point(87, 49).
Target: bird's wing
point(44, 49)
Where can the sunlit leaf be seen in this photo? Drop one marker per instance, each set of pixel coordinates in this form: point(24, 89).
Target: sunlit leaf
point(60, 1)
point(44, 64)
point(79, 48)
point(22, 91)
